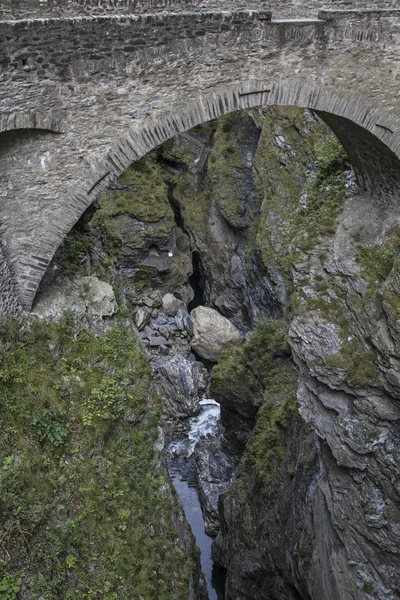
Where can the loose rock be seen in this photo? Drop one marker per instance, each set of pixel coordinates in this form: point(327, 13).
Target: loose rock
point(211, 331)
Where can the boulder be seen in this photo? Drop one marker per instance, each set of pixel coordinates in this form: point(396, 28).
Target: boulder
point(210, 332)
point(141, 318)
point(100, 299)
point(170, 304)
point(84, 295)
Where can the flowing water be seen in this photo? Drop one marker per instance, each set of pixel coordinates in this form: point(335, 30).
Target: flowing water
point(205, 424)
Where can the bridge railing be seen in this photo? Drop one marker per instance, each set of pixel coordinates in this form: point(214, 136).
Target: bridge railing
point(25, 9)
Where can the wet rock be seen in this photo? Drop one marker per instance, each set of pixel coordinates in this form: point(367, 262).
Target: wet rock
point(216, 468)
point(210, 332)
point(158, 445)
point(181, 382)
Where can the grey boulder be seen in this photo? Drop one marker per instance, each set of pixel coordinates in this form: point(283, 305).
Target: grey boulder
point(211, 331)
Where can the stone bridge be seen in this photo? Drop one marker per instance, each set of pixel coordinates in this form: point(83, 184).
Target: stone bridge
point(89, 86)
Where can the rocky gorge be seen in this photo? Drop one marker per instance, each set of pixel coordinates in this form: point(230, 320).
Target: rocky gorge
point(252, 270)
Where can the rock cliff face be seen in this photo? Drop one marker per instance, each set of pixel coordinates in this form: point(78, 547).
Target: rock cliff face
point(321, 521)
point(257, 216)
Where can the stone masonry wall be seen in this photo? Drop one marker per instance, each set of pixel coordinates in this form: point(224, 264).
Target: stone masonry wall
point(20, 9)
point(9, 304)
point(87, 96)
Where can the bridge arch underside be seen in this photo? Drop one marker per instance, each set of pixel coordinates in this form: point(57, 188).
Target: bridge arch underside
point(370, 138)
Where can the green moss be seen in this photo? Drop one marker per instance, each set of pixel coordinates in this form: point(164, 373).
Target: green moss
point(143, 194)
point(368, 587)
point(305, 545)
point(302, 196)
point(231, 366)
point(72, 253)
point(273, 417)
point(142, 277)
point(361, 367)
point(226, 166)
point(80, 490)
point(103, 227)
point(74, 248)
point(223, 178)
point(377, 262)
point(263, 359)
point(392, 301)
point(246, 367)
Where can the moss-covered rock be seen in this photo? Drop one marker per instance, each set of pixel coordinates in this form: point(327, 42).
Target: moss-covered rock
point(301, 181)
point(87, 510)
point(264, 513)
point(245, 371)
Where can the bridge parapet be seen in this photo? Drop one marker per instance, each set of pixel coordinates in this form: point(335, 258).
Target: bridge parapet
point(24, 9)
point(84, 48)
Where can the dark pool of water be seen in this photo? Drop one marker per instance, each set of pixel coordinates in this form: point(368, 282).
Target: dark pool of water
point(191, 505)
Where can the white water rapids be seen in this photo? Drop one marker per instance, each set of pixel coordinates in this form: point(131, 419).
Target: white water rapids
point(204, 424)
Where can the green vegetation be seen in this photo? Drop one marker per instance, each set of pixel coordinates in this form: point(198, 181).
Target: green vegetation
point(269, 352)
point(223, 179)
point(138, 208)
point(9, 587)
point(256, 356)
point(300, 199)
point(377, 262)
point(368, 587)
point(360, 365)
point(226, 164)
point(143, 193)
point(72, 253)
point(275, 415)
point(86, 512)
point(263, 358)
point(192, 194)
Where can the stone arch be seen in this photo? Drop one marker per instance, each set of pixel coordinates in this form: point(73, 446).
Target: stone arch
point(355, 124)
point(31, 120)
point(371, 139)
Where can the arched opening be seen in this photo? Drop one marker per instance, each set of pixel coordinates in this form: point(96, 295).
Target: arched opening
point(371, 140)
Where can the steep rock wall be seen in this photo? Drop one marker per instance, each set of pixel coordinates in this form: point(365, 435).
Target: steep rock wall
point(323, 518)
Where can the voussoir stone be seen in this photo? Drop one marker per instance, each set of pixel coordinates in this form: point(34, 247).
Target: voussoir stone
point(211, 331)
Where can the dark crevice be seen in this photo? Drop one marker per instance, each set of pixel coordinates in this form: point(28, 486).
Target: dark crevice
point(196, 282)
point(172, 166)
point(219, 580)
point(176, 208)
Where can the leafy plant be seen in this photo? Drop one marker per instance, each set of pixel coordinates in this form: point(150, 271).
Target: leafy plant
point(51, 425)
point(76, 521)
point(10, 587)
